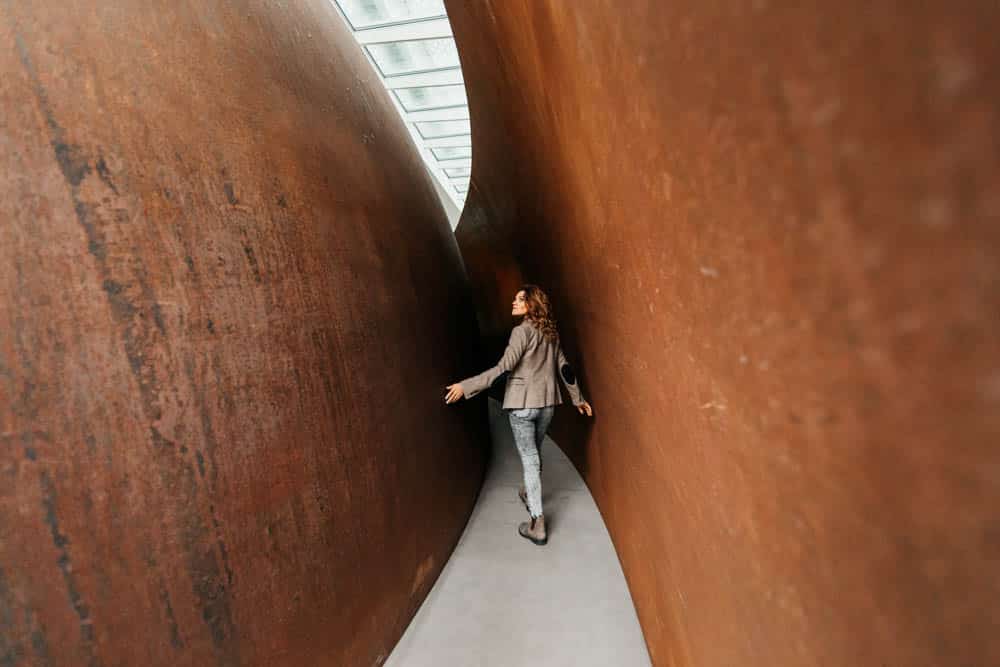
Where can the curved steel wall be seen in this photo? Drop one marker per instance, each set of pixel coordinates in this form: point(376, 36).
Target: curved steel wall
point(772, 232)
point(229, 303)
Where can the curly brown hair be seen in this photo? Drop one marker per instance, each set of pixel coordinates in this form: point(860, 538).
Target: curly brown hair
point(540, 311)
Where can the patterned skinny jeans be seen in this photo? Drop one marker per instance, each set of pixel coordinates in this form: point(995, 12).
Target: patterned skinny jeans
point(529, 426)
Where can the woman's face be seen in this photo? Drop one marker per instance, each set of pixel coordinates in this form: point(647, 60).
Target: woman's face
point(519, 307)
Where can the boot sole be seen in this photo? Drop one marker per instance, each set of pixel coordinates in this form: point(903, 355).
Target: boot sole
point(542, 542)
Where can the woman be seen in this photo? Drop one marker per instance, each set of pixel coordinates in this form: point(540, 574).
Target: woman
point(533, 358)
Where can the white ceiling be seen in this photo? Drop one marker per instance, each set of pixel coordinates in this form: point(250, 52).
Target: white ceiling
point(411, 48)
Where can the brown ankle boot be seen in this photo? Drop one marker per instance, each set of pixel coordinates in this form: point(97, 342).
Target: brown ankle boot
point(534, 530)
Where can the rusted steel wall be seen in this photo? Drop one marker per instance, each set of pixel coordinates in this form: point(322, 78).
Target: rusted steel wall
point(229, 304)
point(772, 233)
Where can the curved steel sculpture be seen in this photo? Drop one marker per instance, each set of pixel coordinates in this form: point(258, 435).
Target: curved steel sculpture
point(772, 229)
point(228, 298)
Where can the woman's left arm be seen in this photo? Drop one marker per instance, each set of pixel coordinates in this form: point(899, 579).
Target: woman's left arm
point(572, 383)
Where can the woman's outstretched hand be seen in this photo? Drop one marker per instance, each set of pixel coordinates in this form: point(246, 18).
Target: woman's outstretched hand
point(585, 409)
point(454, 393)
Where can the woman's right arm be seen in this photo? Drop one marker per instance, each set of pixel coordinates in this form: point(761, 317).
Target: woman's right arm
point(515, 350)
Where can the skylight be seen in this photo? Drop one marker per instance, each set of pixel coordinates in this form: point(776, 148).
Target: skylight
point(411, 48)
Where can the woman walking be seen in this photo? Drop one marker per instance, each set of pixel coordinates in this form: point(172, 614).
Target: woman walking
point(533, 358)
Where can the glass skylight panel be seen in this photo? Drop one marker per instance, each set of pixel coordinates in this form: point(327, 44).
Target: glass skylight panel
point(443, 128)
point(452, 152)
point(431, 97)
point(371, 13)
point(410, 47)
point(419, 55)
point(458, 172)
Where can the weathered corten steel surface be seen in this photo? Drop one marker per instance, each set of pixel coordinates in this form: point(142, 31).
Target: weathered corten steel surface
point(772, 234)
point(229, 304)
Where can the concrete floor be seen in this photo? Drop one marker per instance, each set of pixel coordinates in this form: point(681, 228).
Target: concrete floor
point(501, 601)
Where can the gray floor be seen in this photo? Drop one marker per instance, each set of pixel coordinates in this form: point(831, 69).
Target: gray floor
point(501, 601)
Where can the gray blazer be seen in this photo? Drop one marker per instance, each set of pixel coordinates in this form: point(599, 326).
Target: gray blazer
point(533, 362)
